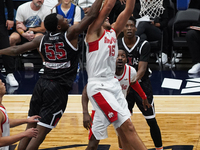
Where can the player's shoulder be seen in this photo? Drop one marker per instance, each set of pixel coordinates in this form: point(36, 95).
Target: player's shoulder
point(130, 67)
point(142, 43)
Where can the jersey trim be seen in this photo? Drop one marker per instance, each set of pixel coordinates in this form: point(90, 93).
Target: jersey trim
point(90, 131)
point(129, 75)
point(140, 51)
point(94, 46)
point(113, 30)
point(41, 43)
point(132, 48)
point(108, 111)
point(3, 108)
point(123, 73)
point(75, 49)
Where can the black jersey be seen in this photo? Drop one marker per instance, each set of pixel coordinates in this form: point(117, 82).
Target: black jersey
point(61, 58)
point(139, 52)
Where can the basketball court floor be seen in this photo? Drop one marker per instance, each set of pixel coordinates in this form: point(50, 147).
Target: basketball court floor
point(177, 103)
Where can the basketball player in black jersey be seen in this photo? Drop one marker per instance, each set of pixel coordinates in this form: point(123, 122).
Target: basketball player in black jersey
point(138, 52)
point(58, 48)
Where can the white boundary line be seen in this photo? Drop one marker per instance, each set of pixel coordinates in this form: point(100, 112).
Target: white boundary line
point(80, 95)
point(80, 112)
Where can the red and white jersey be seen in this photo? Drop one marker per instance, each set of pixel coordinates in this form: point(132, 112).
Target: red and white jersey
point(101, 56)
point(5, 127)
point(125, 79)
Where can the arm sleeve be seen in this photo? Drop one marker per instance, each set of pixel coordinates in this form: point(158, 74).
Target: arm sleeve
point(136, 86)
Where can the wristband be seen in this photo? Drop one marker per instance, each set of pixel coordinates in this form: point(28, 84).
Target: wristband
point(136, 86)
point(21, 32)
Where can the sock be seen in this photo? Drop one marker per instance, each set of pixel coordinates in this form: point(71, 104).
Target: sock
point(159, 148)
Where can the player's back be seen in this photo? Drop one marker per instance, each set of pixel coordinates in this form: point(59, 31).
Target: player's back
point(101, 56)
point(61, 58)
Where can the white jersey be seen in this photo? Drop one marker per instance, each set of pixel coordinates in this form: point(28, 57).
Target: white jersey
point(125, 79)
point(5, 127)
point(101, 56)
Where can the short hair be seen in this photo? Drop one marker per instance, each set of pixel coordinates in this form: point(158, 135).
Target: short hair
point(132, 19)
point(51, 22)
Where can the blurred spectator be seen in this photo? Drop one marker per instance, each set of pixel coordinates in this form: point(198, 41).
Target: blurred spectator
point(69, 11)
point(193, 40)
point(168, 40)
point(5, 25)
point(152, 31)
point(29, 21)
point(117, 9)
point(51, 3)
point(85, 4)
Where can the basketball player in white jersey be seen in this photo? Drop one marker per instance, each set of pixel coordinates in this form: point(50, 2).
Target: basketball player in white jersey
point(6, 123)
point(104, 91)
point(127, 77)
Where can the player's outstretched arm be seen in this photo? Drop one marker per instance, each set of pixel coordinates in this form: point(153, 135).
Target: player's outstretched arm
point(19, 49)
point(17, 122)
point(8, 140)
point(96, 26)
point(75, 30)
point(124, 16)
point(87, 120)
point(136, 86)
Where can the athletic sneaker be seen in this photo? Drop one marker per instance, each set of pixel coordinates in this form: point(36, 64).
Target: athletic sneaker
point(164, 58)
point(194, 69)
point(10, 79)
point(178, 57)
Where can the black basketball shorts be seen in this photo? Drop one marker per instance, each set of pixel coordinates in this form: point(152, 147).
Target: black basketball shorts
point(49, 100)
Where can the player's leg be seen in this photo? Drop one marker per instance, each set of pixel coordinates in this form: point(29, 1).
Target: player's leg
point(97, 131)
point(150, 114)
point(122, 141)
point(45, 95)
point(155, 133)
point(131, 100)
point(93, 143)
point(33, 110)
point(35, 142)
point(131, 135)
point(25, 141)
point(125, 129)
